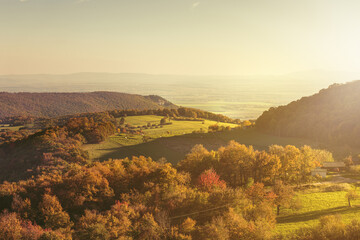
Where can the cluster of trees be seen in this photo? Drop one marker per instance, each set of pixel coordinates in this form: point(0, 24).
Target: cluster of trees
point(17, 120)
point(54, 146)
point(239, 164)
point(135, 199)
point(138, 130)
point(231, 193)
point(331, 116)
point(8, 136)
point(61, 140)
point(180, 113)
point(218, 128)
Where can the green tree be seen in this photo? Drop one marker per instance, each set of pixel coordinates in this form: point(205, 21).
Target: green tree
point(351, 195)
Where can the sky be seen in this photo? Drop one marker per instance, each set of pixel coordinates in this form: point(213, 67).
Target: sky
point(186, 37)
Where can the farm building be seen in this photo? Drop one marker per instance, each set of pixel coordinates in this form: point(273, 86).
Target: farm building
point(333, 165)
point(319, 171)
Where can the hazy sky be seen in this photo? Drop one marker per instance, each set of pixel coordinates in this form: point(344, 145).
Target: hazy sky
point(223, 37)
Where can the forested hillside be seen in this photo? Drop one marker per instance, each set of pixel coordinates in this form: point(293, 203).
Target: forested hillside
point(332, 116)
point(58, 193)
point(58, 104)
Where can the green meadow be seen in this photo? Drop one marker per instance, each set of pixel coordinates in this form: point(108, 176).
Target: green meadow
point(317, 204)
point(7, 127)
point(174, 141)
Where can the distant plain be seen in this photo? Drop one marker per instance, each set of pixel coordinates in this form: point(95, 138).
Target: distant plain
point(243, 97)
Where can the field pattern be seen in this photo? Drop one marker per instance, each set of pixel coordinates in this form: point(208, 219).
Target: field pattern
point(174, 141)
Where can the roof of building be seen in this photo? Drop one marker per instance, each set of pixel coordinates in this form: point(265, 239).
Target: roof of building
point(319, 170)
point(333, 164)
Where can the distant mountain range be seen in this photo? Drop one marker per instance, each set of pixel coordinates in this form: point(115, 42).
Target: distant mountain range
point(332, 115)
point(59, 104)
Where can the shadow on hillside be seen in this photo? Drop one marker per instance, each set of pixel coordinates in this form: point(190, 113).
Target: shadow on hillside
point(155, 149)
point(316, 214)
point(175, 148)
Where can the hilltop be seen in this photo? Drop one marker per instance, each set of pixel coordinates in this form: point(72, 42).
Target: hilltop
point(59, 104)
point(331, 116)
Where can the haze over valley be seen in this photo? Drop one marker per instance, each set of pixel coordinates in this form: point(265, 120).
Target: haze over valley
point(243, 97)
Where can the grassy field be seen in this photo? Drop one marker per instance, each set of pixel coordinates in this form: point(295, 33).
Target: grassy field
point(175, 129)
point(6, 126)
point(315, 205)
point(174, 141)
point(123, 145)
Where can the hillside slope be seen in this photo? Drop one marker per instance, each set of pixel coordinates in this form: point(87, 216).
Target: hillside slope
point(332, 116)
point(58, 104)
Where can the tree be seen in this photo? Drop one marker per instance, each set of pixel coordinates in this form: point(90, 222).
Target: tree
point(52, 213)
point(284, 195)
point(10, 227)
point(92, 226)
point(235, 163)
point(197, 161)
point(209, 180)
point(348, 161)
point(122, 121)
point(352, 195)
point(215, 230)
point(163, 121)
point(188, 225)
point(148, 228)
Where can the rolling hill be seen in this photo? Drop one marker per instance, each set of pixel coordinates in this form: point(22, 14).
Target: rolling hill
point(330, 116)
point(59, 104)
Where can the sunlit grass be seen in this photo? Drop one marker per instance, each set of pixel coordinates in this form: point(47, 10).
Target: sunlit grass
point(174, 141)
point(6, 126)
point(316, 205)
point(177, 128)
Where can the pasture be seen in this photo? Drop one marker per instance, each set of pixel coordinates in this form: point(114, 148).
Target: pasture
point(174, 141)
point(328, 200)
point(8, 127)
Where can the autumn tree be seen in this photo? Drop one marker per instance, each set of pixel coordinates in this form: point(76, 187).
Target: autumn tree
point(284, 194)
point(92, 226)
point(52, 213)
point(10, 227)
point(148, 228)
point(348, 161)
point(197, 161)
point(234, 163)
point(351, 195)
point(209, 180)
